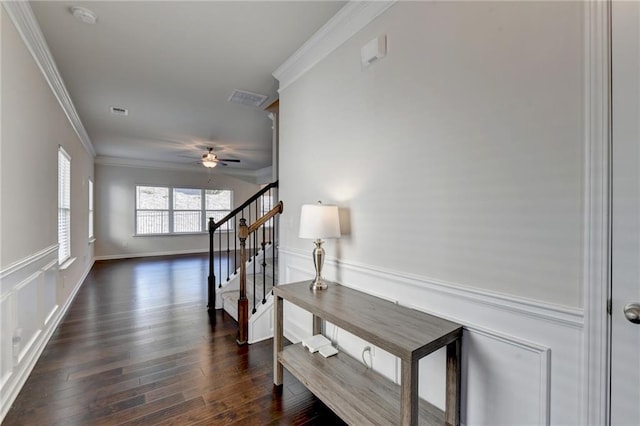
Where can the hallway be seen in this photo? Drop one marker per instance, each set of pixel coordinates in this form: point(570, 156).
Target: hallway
point(137, 346)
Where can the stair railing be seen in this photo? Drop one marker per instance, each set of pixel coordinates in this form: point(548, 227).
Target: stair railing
point(249, 209)
point(244, 233)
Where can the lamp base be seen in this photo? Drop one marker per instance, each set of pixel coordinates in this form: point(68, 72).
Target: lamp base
point(318, 259)
point(318, 285)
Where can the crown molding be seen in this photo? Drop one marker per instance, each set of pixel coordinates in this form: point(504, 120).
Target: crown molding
point(354, 16)
point(21, 15)
point(164, 165)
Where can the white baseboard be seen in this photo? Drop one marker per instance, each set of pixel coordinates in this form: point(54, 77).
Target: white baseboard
point(49, 321)
point(149, 254)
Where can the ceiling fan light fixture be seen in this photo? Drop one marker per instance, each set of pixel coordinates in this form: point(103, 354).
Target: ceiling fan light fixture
point(210, 160)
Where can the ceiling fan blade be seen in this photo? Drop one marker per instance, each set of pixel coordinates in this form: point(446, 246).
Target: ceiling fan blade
point(229, 160)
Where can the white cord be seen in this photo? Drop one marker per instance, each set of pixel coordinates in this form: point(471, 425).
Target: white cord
point(367, 349)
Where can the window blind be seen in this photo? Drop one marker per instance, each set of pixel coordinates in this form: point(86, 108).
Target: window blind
point(90, 208)
point(64, 206)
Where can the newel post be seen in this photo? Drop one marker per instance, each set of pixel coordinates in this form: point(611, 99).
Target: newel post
point(243, 303)
point(211, 290)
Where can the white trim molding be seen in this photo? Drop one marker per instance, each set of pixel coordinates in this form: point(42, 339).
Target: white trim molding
point(35, 257)
point(29, 316)
point(565, 315)
point(503, 334)
point(149, 254)
point(354, 16)
point(22, 17)
point(597, 181)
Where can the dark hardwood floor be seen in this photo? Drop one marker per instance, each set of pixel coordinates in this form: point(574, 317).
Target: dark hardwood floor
point(137, 346)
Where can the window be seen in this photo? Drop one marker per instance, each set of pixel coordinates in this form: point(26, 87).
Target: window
point(187, 210)
point(152, 210)
point(218, 205)
point(90, 209)
point(64, 206)
point(168, 210)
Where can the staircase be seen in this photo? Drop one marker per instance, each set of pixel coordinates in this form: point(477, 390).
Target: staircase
point(261, 281)
point(245, 292)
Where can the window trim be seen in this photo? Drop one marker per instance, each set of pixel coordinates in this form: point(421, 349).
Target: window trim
point(91, 230)
point(171, 210)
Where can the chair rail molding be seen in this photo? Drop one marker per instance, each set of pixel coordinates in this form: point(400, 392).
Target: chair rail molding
point(567, 316)
point(502, 334)
point(22, 17)
point(31, 259)
point(354, 16)
point(29, 315)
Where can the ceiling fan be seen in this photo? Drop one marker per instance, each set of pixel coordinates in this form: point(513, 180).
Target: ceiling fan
point(211, 160)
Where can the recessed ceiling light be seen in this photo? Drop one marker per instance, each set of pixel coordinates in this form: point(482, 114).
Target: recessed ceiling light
point(84, 15)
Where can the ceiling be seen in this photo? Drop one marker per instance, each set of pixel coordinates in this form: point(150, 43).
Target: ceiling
point(173, 65)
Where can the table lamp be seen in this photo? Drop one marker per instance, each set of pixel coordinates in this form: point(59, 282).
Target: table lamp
point(319, 221)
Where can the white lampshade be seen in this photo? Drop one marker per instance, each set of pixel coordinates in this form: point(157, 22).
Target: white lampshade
point(319, 221)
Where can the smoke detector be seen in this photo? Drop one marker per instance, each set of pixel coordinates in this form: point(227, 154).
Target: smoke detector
point(247, 98)
point(84, 15)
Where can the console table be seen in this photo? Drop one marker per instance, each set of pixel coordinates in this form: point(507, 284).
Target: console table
point(356, 393)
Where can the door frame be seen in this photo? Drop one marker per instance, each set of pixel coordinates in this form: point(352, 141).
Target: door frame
point(597, 213)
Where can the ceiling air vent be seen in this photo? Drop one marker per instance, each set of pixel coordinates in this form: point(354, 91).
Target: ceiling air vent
point(119, 111)
point(247, 98)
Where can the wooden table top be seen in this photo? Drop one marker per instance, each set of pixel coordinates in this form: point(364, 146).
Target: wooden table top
point(404, 332)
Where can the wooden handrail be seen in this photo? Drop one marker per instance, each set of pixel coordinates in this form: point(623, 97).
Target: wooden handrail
point(268, 215)
point(243, 304)
point(244, 205)
point(213, 226)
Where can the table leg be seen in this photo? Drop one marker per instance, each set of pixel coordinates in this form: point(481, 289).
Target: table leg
point(317, 325)
point(277, 340)
point(409, 393)
point(452, 403)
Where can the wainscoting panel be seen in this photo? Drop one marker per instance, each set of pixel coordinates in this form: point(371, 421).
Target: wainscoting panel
point(522, 359)
point(49, 292)
point(29, 316)
point(29, 313)
point(6, 345)
point(503, 365)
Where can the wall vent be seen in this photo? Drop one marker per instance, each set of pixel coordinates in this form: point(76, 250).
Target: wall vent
point(119, 111)
point(247, 98)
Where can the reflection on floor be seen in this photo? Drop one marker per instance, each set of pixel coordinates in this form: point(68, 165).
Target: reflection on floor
point(137, 346)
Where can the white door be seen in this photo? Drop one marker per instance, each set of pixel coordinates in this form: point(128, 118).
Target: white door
point(625, 335)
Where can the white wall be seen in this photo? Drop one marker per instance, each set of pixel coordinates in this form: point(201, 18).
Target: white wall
point(33, 294)
point(459, 155)
point(457, 161)
point(115, 209)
